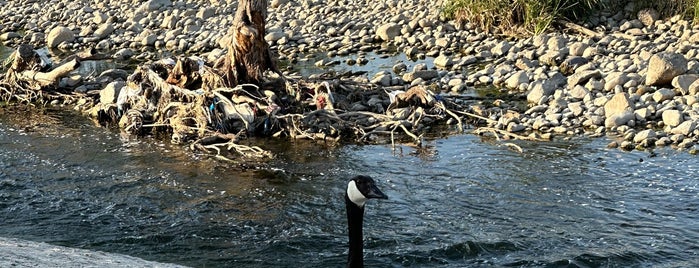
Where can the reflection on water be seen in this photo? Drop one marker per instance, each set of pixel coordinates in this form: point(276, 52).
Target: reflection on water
point(458, 202)
point(377, 61)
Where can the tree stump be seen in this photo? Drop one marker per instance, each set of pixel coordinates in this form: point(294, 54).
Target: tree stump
point(248, 53)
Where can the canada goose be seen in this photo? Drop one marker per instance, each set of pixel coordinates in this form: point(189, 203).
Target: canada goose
point(359, 190)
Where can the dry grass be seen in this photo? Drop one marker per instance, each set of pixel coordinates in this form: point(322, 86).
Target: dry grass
point(522, 17)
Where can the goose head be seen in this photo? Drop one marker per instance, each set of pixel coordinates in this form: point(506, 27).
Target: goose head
point(362, 188)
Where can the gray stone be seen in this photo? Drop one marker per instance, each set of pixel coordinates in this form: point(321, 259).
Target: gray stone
point(59, 35)
point(149, 40)
point(278, 3)
point(99, 17)
point(501, 48)
point(663, 141)
point(642, 114)
point(124, 54)
point(153, 5)
point(663, 94)
point(515, 127)
point(104, 30)
point(399, 68)
point(552, 58)
point(665, 66)
point(382, 79)
point(582, 77)
point(425, 75)
point(672, 118)
point(556, 42)
point(620, 103)
point(571, 63)
point(517, 79)
point(274, 36)
point(578, 92)
point(643, 135)
point(578, 48)
point(684, 128)
point(618, 119)
point(683, 82)
point(648, 16)
point(540, 90)
point(576, 108)
point(206, 13)
point(110, 93)
point(9, 35)
point(388, 31)
point(614, 79)
point(443, 61)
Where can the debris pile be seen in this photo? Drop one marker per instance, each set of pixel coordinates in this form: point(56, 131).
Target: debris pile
point(188, 99)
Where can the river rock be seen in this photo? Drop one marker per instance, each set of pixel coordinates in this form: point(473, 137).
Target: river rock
point(382, 78)
point(274, 36)
point(104, 30)
point(206, 13)
point(683, 82)
point(685, 128)
point(618, 104)
point(663, 94)
point(665, 66)
point(582, 77)
point(501, 48)
point(578, 92)
point(425, 75)
point(399, 68)
point(149, 40)
point(578, 48)
point(388, 31)
point(443, 61)
point(619, 119)
point(123, 54)
point(672, 118)
point(643, 135)
point(517, 79)
point(9, 35)
point(540, 90)
point(571, 63)
point(278, 3)
point(648, 16)
point(59, 35)
point(110, 93)
point(153, 5)
point(614, 79)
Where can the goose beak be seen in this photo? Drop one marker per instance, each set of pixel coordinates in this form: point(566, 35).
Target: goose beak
point(374, 192)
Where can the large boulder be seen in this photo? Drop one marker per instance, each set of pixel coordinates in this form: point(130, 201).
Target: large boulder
point(59, 35)
point(665, 66)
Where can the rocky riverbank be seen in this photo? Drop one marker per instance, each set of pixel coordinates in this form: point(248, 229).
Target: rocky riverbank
point(634, 75)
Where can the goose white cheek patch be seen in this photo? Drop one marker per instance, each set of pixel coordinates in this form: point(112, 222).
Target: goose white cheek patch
point(355, 195)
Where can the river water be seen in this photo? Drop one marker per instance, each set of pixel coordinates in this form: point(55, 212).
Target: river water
point(458, 202)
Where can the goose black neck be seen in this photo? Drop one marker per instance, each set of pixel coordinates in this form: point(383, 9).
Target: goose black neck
point(355, 219)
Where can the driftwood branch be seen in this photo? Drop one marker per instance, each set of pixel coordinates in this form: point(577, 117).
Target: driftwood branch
point(50, 78)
